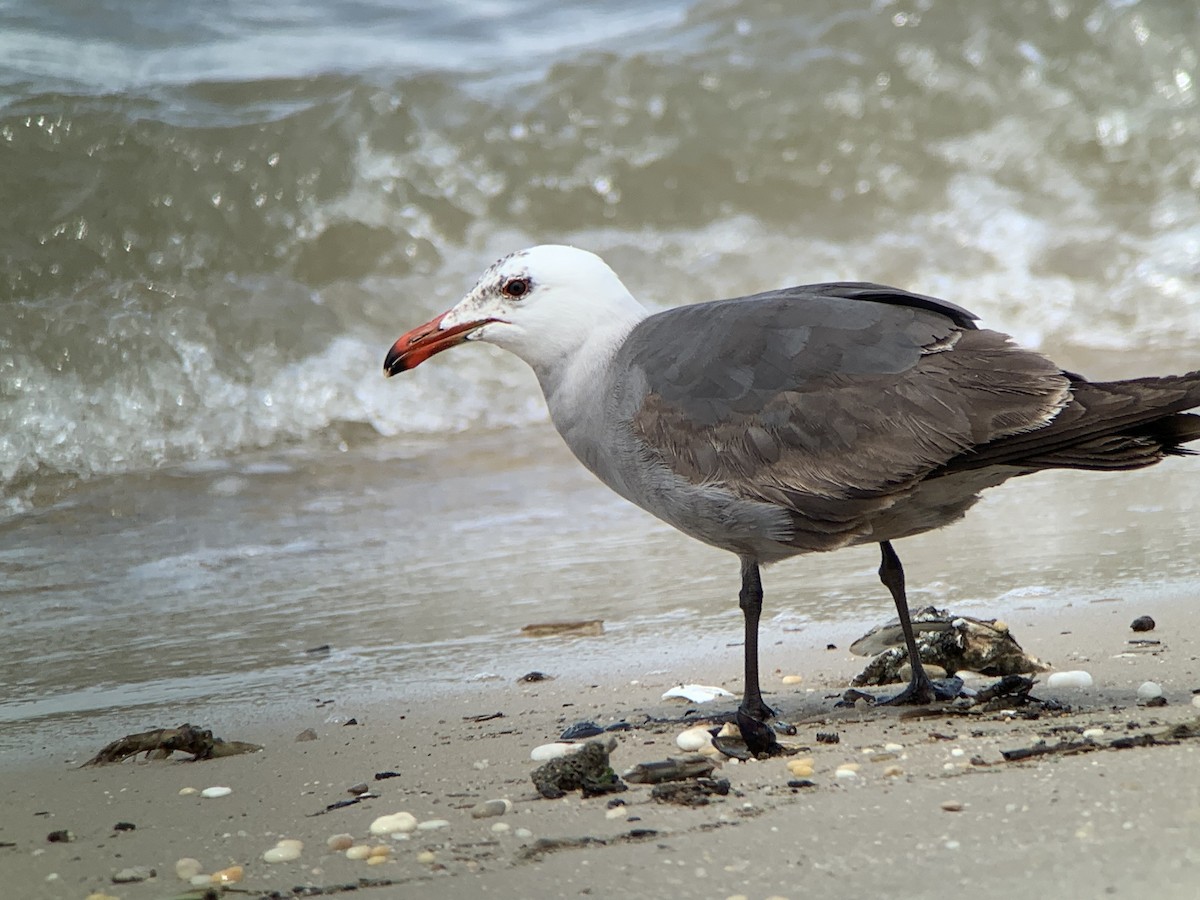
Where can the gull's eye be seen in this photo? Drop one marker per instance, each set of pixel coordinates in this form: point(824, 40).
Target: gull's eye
point(516, 287)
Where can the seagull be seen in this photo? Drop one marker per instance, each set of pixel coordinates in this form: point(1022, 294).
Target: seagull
point(798, 420)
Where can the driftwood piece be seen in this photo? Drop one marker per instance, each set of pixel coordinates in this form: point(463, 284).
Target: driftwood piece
point(160, 743)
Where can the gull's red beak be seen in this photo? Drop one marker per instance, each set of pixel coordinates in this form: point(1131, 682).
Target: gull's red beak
point(422, 342)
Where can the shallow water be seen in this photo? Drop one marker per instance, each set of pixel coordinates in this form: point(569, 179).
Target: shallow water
point(217, 222)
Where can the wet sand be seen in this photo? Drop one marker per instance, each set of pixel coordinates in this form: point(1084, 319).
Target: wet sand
point(1101, 823)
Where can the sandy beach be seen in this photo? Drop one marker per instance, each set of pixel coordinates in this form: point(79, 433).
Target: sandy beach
point(950, 816)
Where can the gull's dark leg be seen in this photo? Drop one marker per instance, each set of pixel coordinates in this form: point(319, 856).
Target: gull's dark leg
point(750, 600)
point(891, 573)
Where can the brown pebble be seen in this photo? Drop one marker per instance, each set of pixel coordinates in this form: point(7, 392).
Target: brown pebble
point(361, 788)
point(1142, 623)
point(60, 837)
point(308, 734)
point(952, 806)
point(232, 875)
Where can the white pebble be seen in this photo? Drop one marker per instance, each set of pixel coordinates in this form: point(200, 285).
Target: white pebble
point(188, 792)
point(1093, 733)
point(1073, 679)
point(553, 751)
point(958, 751)
point(793, 679)
point(1149, 690)
point(200, 880)
point(433, 825)
point(893, 748)
point(426, 857)
point(693, 739)
point(523, 833)
point(617, 812)
point(396, 822)
point(500, 827)
point(1196, 700)
point(281, 854)
point(187, 868)
point(845, 773)
point(358, 851)
point(211, 792)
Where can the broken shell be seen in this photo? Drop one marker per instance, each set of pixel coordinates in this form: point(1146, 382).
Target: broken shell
point(696, 693)
point(693, 739)
point(340, 841)
point(547, 752)
point(402, 822)
point(211, 792)
point(358, 851)
point(188, 792)
point(1149, 690)
point(1073, 679)
point(490, 808)
point(187, 867)
point(232, 875)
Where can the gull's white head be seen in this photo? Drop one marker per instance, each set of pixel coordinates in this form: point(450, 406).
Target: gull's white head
point(543, 304)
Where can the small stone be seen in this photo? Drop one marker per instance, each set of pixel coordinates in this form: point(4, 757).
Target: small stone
point(133, 874)
point(958, 751)
point(426, 857)
point(232, 875)
point(801, 765)
point(523, 833)
point(558, 749)
point(489, 808)
point(358, 851)
point(401, 822)
point(187, 868)
point(793, 679)
point(308, 734)
point(500, 827)
point(1142, 623)
point(952, 806)
point(188, 792)
point(213, 792)
point(377, 860)
point(845, 773)
point(380, 850)
point(1196, 700)
point(284, 851)
point(693, 739)
point(617, 812)
point(893, 748)
point(201, 880)
point(60, 837)
point(361, 788)
point(338, 842)
point(1092, 733)
point(1071, 679)
point(433, 825)
point(893, 771)
point(1149, 690)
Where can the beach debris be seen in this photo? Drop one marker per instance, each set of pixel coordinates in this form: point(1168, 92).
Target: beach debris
point(696, 693)
point(534, 677)
point(582, 628)
point(1148, 691)
point(124, 826)
point(692, 739)
point(828, 737)
point(542, 846)
point(581, 730)
point(308, 734)
point(160, 743)
point(696, 792)
point(556, 750)
point(211, 793)
point(587, 770)
point(670, 769)
point(483, 717)
point(383, 776)
point(1173, 734)
point(134, 874)
point(490, 808)
point(285, 850)
point(60, 837)
point(945, 640)
point(1142, 623)
point(187, 868)
point(395, 823)
point(1075, 678)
